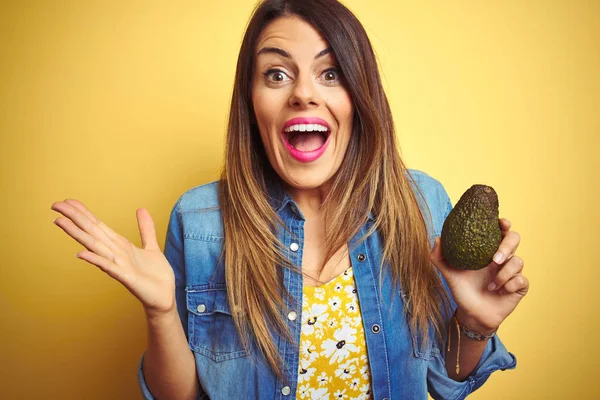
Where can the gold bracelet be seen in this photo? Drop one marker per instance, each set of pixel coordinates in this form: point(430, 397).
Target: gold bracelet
point(458, 340)
point(469, 333)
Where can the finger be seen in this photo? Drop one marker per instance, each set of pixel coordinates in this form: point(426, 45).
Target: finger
point(102, 263)
point(507, 247)
point(84, 223)
point(517, 284)
point(437, 258)
point(112, 235)
point(504, 225)
point(511, 268)
point(88, 241)
point(147, 229)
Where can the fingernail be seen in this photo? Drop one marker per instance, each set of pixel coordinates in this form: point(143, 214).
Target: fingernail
point(498, 258)
point(77, 255)
point(492, 286)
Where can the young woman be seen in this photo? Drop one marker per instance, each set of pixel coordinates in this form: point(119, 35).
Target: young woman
point(306, 270)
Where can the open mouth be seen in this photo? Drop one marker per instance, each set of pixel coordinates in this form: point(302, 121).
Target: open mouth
point(306, 137)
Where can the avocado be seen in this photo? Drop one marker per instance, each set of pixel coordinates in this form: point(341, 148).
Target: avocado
point(471, 232)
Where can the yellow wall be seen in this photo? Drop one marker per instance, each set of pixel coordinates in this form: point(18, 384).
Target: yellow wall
point(123, 105)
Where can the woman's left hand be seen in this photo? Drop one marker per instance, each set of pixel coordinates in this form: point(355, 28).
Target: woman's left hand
point(487, 296)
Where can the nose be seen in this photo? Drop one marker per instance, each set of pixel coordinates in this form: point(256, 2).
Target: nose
point(304, 93)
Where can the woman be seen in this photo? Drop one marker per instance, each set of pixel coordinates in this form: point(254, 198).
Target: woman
point(306, 269)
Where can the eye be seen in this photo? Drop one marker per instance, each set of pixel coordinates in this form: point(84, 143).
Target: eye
point(331, 75)
point(276, 75)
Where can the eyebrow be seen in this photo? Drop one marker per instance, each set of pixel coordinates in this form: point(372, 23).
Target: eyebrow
point(283, 53)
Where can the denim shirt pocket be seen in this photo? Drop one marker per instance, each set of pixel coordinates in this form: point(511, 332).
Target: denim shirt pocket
point(421, 349)
point(211, 329)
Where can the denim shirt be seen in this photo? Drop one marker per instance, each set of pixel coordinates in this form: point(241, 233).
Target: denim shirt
point(225, 370)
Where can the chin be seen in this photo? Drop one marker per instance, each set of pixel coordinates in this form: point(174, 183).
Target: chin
point(307, 179)
point(305, 176)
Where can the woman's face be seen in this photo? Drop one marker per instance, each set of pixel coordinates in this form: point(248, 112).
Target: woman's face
point(304, 112)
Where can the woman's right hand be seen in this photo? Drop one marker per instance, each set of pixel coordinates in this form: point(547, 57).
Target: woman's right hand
point(145, 271)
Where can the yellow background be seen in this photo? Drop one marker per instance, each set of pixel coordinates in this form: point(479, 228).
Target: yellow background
point(123, 105)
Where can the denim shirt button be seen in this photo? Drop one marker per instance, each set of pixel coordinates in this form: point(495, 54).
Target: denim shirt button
point(286, 390)
point(201, 308)
point(361, 257)
point(292, 315)
point(375, 328)
point(294, 247)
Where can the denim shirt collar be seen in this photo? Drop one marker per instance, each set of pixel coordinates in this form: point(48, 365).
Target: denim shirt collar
point(279, 199)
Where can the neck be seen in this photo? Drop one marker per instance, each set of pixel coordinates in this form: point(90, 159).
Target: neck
point(309, 200)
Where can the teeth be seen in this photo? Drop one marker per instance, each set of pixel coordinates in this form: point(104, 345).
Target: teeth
point(306, 128)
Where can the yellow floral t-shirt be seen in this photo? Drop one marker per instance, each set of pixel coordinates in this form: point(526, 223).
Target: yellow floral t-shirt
point(333, 354)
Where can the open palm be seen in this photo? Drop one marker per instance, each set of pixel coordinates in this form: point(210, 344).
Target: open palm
point(145, 271)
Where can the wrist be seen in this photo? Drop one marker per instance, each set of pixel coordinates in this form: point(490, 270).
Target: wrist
point(473, 324)
point(157, 317)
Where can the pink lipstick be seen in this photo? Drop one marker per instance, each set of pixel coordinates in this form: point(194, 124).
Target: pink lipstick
point(298, 127)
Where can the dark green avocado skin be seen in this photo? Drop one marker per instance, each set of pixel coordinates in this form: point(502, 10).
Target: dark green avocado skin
point(471, 232)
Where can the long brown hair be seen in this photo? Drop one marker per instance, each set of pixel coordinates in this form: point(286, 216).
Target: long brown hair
point(371, 178)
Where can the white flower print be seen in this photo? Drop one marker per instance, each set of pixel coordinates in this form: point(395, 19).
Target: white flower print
point(351, 291)
point(339, 348)
point(351, 306)
point(364, 372)
point(347, 275)
point(346, 370)
point(320, 394)
point(363, 396)
point(334, 303)
point(365, 389)
point(332, 347)
point(340, 394)
point(319, 333)
point(305, 374)
point(320, 293)
point(313, 318)
point(354, 383)
point(305, 391)
point(308, 351)
point(324, 379)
